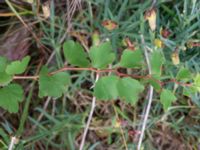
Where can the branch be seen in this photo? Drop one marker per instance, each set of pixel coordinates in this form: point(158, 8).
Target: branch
point(113, 70)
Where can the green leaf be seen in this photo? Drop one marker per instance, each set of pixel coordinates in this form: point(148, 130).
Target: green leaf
point(184, 74)
point(155, 83)
point(131, 59)
point(189, 91)
point(5, 79)
point(18, 67)
point(10, 96)
point(75, 54)
point(3, 64)
point(102, 55)
point(106, 88)
point(129, 89)
point(156, 61)
point(166, 98)
point(53, 85)
point(197, 82)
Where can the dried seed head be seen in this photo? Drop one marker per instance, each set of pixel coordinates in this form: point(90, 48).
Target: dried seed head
point(128, 43)
point(165, 33)
point(46, 10)
point(190, 44)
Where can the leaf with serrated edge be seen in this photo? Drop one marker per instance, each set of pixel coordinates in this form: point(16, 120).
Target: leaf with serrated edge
point(129, 89)
point(131, 59)
point(52, 85)
point(156, 63)
point(10, 96)
point(166, 98)
point(3, 64)
point(17, 67)
point(184, 74)
point(106, 88)
point(5, 79)
point(197, 82)
point(102, 55)
point(75, 54)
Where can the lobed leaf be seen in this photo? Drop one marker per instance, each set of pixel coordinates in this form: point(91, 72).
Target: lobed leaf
point(52, 85)
point(131, 59)
point(155, 83)
point(129, 89)
point(10, 96)
point(197, 82)
point(184, 74)
point(3, 64)
point(166, 98)
point(156, 61)
point(102, 55)
point(18, 67)
point(106, 88)
point(75, 54)
point(5, 78)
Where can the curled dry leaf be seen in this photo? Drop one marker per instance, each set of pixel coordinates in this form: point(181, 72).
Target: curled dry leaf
point(150, 15)
point(46, 9)
point(109, 24)
point(175, 58)
point(128, 43)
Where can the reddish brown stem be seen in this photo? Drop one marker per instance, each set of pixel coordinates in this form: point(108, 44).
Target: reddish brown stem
point(177, 82)
point(114, 70)
point(196, 44)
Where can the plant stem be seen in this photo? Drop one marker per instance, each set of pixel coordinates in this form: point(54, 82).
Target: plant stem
point(113, 70)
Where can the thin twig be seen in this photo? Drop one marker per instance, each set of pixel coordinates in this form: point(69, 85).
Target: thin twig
point(89, 118)
point(13, 142)
point(150, 97)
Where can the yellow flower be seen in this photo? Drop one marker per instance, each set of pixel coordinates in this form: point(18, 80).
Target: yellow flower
point(158, 43)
